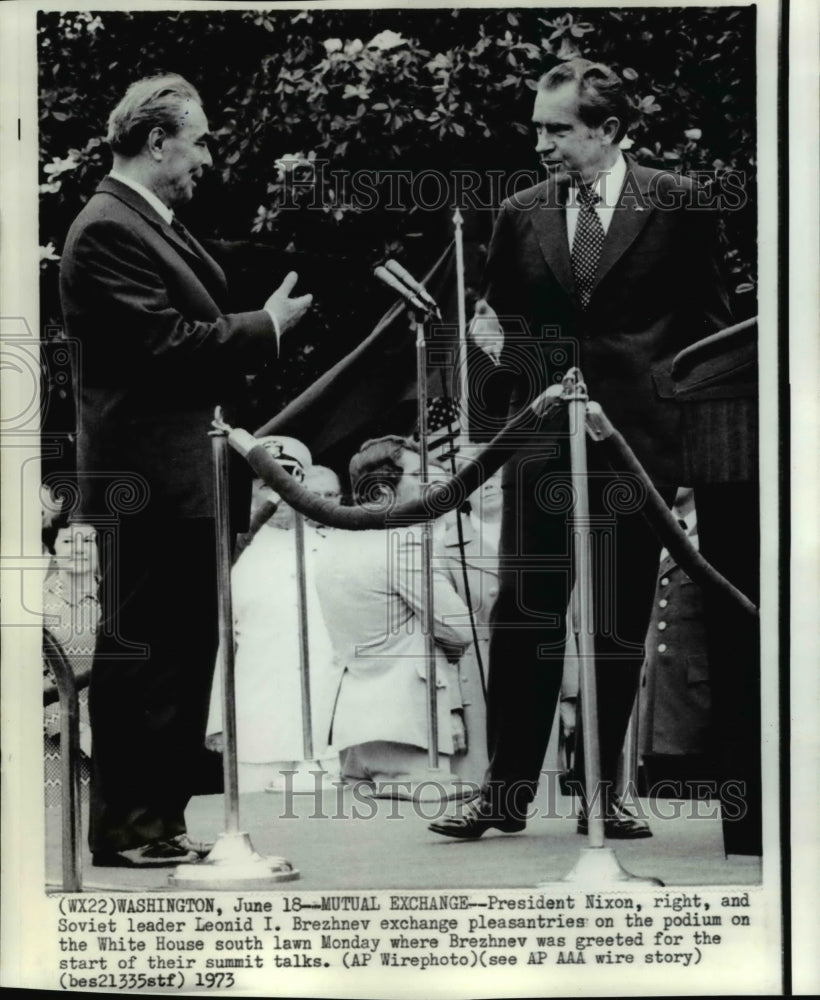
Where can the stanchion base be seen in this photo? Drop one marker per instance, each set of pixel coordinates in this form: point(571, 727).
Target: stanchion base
point(596, 868)
point(233, 864)
point(324, 787)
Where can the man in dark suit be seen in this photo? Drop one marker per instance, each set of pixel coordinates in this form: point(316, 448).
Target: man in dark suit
point(612, 267)
point(157, 353)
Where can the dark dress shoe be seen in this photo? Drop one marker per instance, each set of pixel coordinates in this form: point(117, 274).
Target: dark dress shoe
point(202, 848)
point(475, 818)
point(159, 854)
point(619, 823)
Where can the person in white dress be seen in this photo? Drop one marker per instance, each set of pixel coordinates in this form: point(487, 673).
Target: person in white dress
point(267, 629)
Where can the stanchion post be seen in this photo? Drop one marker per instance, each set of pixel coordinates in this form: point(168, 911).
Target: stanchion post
point(304, 643)
point(225, 654)
point(232, 862)
point(583, 617)
point(597, 865)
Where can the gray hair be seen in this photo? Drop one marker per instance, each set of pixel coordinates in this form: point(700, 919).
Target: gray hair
point(155, 101)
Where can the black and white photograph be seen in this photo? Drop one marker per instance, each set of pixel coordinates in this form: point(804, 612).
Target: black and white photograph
point(397, 493)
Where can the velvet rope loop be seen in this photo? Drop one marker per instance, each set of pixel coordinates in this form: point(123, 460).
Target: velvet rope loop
point(437, 499)
point(379, 512)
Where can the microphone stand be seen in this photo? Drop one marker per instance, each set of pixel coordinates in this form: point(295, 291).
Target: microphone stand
point(427, 603)
point(458, 222)
point(420, 307)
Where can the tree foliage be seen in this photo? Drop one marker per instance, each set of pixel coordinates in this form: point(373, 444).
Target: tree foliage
point(300, 102)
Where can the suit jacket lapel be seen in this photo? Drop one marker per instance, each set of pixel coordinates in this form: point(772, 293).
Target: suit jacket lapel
point(630, 216)
point(549, 220)
point(197, 256)
point(198, 259)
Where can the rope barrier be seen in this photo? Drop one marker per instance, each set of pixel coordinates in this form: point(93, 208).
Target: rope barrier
point(383, 511)
point(549, 409)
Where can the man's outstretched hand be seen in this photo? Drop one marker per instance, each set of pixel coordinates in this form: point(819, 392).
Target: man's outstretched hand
point(287, 311)
point(487, 332)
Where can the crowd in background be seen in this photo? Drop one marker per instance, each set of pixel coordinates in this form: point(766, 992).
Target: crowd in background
point(354, 640)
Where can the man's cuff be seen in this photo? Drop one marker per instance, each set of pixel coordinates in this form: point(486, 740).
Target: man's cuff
point(276, 328)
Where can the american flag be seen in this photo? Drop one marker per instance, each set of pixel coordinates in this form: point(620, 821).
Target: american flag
point(443, 429)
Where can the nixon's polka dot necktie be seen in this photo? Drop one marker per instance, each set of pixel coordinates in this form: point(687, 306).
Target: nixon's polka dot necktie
point(586, 244)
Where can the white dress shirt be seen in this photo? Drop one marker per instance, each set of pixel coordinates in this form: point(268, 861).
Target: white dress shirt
point(608, 185)
point(165, 213)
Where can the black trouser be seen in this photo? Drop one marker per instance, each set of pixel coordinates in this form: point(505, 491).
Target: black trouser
point(529, 618)
point(149, 705)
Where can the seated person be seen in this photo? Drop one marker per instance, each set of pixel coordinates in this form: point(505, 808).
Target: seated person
point(370, 591)
point(268, 628)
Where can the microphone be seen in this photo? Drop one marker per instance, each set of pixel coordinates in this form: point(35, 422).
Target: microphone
point(404, 275)
point(385, 276)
